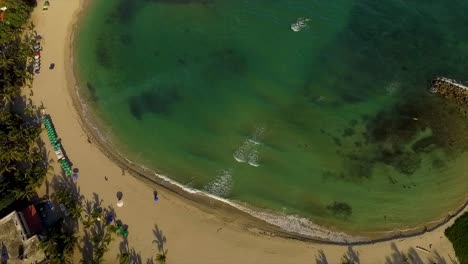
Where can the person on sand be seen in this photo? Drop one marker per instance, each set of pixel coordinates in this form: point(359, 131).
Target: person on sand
point(155, 194)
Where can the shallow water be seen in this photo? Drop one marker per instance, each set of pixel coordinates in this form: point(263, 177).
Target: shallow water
point(333, 122)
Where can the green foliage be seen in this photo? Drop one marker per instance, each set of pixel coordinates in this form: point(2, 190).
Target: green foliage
point(22, 164)
point(458, 235)
point(124, 257)
point(71, 202)
point(6, 201)
point(161, 257)
point(59, 245)
point(16, 16)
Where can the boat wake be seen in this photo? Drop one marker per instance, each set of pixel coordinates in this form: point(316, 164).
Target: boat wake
point(249, 150)
point(300, 24)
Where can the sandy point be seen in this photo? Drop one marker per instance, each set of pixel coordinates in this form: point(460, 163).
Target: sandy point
point(194, 234)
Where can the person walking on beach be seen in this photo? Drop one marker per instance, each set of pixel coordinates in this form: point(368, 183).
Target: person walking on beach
point(155, 194)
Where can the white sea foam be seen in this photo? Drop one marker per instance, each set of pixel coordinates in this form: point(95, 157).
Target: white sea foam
point(222, 184)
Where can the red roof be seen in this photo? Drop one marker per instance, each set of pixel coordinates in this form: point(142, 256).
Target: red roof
point(32, 219)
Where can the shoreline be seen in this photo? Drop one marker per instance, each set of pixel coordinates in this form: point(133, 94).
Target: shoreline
point(198, 231)
point(258, 218)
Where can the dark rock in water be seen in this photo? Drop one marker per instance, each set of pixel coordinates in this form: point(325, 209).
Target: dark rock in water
point(450, 89)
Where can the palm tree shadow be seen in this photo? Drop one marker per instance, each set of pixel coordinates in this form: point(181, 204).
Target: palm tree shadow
point(87, 250)
point(97, 201)
point(95, 227)
point(64, 181)
point(414, 256)
point(351, 256)
point(135, 258)
point(321, 258)
point(396, 256)
point(399, 257)
point(437, 258)
point(160, 238)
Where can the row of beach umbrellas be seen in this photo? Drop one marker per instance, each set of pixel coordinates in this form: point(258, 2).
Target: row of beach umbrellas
point(52, 135)
point(37, 58)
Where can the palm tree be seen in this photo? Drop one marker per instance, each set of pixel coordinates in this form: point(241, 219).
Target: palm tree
point(161, 257)
point(59, 245)
point(124, 257)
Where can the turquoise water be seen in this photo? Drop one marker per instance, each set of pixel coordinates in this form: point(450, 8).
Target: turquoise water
point(333, 122)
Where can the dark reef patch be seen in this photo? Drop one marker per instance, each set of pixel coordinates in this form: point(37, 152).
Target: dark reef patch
point(401, 135)
point(227, 63)
point(156, 101)
point(340, 209)
point(103, 53)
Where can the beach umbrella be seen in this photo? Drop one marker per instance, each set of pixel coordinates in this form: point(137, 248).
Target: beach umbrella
point(120, 203)
point(110, 218)
point(45, 6)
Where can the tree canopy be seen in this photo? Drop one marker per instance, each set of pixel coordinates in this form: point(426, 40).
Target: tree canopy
point(23, 165)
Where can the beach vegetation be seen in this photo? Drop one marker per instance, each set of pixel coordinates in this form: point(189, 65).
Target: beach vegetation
point(16, 17)
point(23, 165)
point(59, 244)
point(161, 257)
point(458, 235)
point(71, 203)
point(124, 257)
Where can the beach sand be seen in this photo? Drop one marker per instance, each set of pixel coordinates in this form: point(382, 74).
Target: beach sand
point(194, 233)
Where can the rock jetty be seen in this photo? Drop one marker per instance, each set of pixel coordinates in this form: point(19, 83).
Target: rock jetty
point(449, 88)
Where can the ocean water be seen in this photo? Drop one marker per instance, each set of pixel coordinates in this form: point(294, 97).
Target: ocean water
point(333, 122)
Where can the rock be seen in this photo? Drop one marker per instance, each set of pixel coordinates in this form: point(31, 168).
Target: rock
point(450, 89)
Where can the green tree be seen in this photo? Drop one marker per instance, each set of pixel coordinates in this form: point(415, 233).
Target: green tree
point(59, 244)
point(22, 167)
point(71, 202)
point(161, 257)
point(124, 257)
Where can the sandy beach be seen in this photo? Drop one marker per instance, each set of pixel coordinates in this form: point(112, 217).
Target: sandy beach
point(194, 233)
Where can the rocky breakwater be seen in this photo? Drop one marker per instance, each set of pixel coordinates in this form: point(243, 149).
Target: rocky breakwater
point(449, 88)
